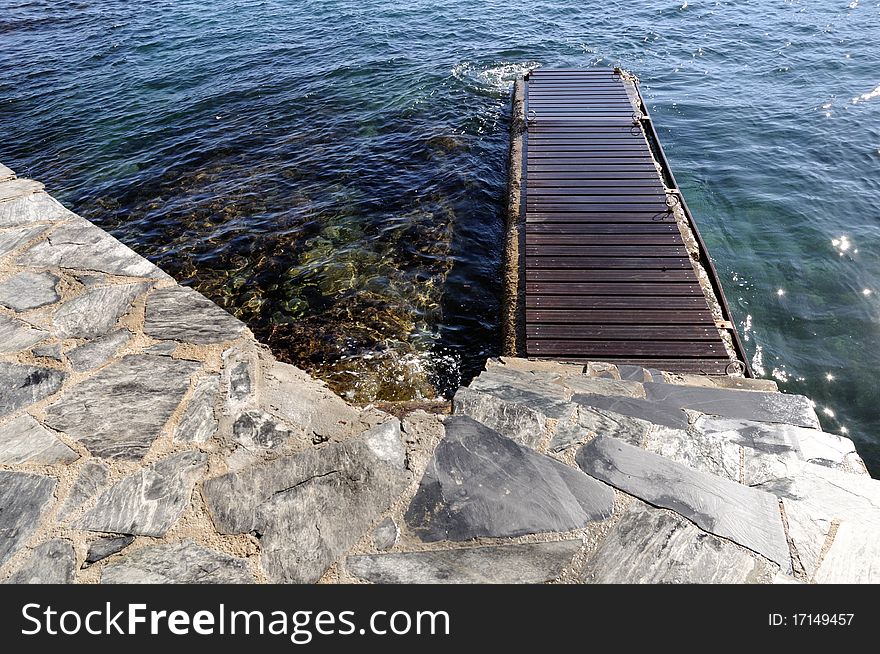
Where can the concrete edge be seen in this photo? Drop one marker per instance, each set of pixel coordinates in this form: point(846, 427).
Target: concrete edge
point(513, 302)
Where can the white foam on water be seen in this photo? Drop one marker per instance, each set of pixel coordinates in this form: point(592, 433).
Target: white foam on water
point(864, 97)
point(489, 77)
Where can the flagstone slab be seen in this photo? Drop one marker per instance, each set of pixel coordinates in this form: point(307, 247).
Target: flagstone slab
point(24, 440)
point(177, 313)
point(149, 501)
point(24, 497)
point(28, 290)
point(118, 413)
point(655, 546)
point(530, 563)
point(177, 563)
point(52, 562)
point(23, 385)
point(722, 507)
point(481, 484)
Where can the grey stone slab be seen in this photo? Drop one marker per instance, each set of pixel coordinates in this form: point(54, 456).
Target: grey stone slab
point(594, 386)
point(854, 556)
point(50, 350)
point(816, 497)
point(120, 411)
point(590, 422)
point(198, 424)
point(101, 548)
point(80, 245)
point(239, 375)
point(710, 452)
point(165, 348)
point(554, 406)
point(657, 412)
point(29, 290)
point(752, 453)
point(744, 515)
point(177, 313)
point(52, 562)
point(6, 173)
point(24, 440)
point(98, 352)
point(23, 500)
point(13, 239)
point(516, 421)
point(529, 563)
point(309, 508)
point(33, 208)
point(655, 546)
point(22, 385)
point(750, 405)
point(633, 373)
point(177, 563)
point(529, 389)
point(91, 479)
point(480, 483)
point(385, 534)
point(306, 404)
point(17, 336)
point(385, 442)
point(15, 188)
point(149, 501)
point(95, 312)
point(255, 429)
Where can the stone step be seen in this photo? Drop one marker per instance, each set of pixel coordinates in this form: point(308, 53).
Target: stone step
point(526, 563)
point(746, 516)
point(753, 452)
point(628, 372)
point(480, 484)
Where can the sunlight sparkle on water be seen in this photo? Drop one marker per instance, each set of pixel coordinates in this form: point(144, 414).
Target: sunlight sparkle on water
point(829, 376)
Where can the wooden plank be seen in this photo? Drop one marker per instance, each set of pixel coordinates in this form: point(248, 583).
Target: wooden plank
point(541, 130)
point(619, 316)
point(598, 217)
point(689, 289)
point(583, 186)
point(604, 207)
point(617, 238)
point(605, 251)
point(607, 302)
point(611, 263)
point(585, 148)
point(647, 332)
point(626, 348)
point(571, 202)
point(593, 173)
point(611, 275)
point(594, 166)
point(602, 228)
point(563, 193)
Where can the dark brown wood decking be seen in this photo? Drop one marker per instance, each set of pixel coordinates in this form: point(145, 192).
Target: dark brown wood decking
point(608, 277)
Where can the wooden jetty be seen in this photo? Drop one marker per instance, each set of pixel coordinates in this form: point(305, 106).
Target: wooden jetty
point(611, 266)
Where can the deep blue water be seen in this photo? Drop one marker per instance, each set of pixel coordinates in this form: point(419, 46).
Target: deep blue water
point(333, 172)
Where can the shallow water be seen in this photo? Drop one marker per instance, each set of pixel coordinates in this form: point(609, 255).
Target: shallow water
point(333, 172)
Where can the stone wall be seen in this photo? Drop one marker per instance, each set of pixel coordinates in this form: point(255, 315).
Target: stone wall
point(145, 436)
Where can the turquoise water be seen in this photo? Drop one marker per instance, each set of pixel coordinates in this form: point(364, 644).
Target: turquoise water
point(333, 172)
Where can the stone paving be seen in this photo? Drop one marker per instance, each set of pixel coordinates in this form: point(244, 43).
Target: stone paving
point(147, 437)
